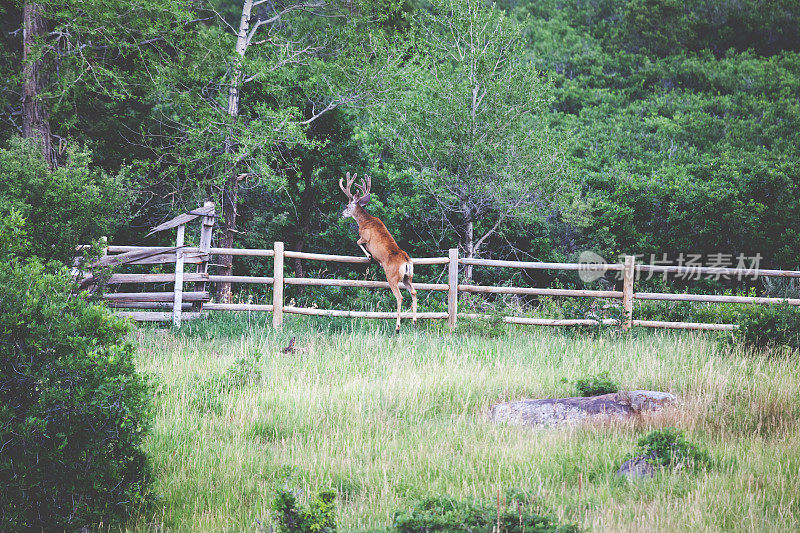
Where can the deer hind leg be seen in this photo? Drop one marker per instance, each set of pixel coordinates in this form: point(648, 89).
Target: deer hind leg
point(407, 283)
point(399, 297)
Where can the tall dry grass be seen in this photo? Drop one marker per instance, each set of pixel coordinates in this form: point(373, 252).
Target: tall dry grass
point(387, 420)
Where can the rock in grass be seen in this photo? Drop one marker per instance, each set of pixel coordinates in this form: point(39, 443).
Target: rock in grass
point(647, 400)
point(637, 467)
point(565, 412)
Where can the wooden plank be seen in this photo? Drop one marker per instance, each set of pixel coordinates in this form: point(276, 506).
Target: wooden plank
point(540, 292)
point(359, 314)
point(235, 307)
point(206, 210)
point(241, 279)
point(155, 316)
point(734, 272)
point(357, 259)
point(117, 279)
point(430, 261)
point(153, 296)
point(333, 282)
point(544, 321)
point(452, 288)
point(628, 276)
point(277, 287)
point(326, 257)
point(187, 306)
point(206, 232)
point(149, 257)
point(253, 252)
point(714, 298)
point(684, 325)
point(178, 290)
point(540, 265)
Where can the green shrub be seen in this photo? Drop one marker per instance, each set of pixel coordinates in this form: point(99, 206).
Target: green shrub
point(72, 203)
point(319, 516)
point(668, 448)
point(73, 410)
point(596, 385)
point(448, 515)
point(770, 325)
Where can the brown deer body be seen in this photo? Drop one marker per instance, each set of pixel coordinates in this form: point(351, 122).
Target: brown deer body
point(377, 243)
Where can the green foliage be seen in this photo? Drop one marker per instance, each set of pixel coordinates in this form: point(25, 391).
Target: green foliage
point(319, 516)
point(770, 325)
point(72, 204)
point(244, 371)
point(595, 385)
point(468, 114)
point(445, 514)
point(668, 447)
point(73, 410)
point(13, 237)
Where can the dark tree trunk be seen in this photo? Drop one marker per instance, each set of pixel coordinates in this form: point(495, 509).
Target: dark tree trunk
point(230, 197)
point(307, 203)
point(230, 191)
point(35, 117)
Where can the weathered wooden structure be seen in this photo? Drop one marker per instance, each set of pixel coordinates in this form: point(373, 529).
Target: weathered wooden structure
point(181, 304)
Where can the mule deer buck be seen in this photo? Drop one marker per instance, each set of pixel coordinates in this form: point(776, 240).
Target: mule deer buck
point(376, 241)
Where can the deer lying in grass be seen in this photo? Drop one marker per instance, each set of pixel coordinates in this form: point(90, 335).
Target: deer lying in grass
point(376, 241)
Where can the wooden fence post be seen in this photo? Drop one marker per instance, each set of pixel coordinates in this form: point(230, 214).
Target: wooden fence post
point(206, 231)
point(177, 302)
point(452, 289)
point(628, 275)
point(277, 287)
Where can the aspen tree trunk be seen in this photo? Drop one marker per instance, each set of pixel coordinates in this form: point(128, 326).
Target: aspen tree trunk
point(35, 116)
point(230, 191)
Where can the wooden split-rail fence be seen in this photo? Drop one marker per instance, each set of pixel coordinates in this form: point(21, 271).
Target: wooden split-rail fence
point(190, 297)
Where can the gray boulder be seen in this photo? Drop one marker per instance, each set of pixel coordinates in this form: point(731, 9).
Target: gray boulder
point(565, 412)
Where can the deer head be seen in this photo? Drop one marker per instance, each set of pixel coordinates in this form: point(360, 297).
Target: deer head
point(355, 199)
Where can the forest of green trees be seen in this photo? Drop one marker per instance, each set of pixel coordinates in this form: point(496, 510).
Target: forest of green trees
point(523, 129)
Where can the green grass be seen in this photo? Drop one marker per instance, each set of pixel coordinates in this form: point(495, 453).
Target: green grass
point(387, 420)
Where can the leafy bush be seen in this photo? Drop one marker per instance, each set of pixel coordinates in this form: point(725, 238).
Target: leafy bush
point(319, 516)
point(63, 206)
point(770, 325)
point(448, 515)
point(73, 410)
point(242, 372)
point(596, 385)
point(669, 448)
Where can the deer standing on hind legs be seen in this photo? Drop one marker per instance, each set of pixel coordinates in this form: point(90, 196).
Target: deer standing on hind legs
point(376, 241)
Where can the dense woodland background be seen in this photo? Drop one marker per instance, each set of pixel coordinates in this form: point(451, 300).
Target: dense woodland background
point(640, 126)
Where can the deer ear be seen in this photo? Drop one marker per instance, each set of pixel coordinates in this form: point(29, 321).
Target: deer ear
point(364, 200)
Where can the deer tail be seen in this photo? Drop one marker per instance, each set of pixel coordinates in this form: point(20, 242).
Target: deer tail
point(409, 271)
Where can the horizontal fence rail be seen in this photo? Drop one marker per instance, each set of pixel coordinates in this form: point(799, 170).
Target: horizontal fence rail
point(194, 302)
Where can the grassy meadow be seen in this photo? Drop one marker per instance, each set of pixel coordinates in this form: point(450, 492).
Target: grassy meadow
point(387, 420)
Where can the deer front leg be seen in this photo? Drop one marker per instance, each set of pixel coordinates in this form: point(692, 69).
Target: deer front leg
point(361, 243)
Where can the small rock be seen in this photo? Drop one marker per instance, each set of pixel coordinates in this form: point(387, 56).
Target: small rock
point(637, 467)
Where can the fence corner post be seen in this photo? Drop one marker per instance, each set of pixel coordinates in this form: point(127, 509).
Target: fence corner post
point(206, 231)
point(628, 276)
point(177, 302)
point(277, 287)
point(452, 289)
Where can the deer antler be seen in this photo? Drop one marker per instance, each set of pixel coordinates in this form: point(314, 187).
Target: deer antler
point(364, 186)
point(349, 185)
